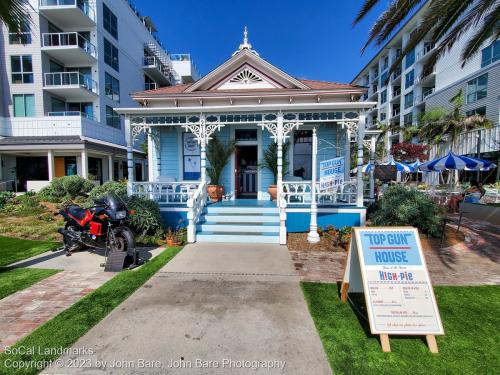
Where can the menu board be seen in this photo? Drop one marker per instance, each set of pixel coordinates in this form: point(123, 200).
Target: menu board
point(394, 278)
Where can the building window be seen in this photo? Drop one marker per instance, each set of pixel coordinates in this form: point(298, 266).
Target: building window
point(408, 119)
point(477, 88)
point(386, 63)
point(409, 78)
point(481, 111)
point(490, 54)
point(24, 105)
point(383, 116)
point(111, 55)
point(110, 21)
point(149, 84)
point(383, 96)
point(383, 79)
point(409, 100)
point(112, 118)
point(112, 87)
point(22, 69)
point(410, 58)
point(23, 36)
point(302, 151)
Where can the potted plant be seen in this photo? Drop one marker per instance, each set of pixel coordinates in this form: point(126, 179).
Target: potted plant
point(270, 161)
point(218, 154)
point(174, 237)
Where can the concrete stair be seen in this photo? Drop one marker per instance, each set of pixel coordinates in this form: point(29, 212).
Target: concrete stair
point(243, 224)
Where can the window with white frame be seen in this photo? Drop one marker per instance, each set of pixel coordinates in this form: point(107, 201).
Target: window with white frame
point(24, 105)
point(110, 21)
point(490, 54)
point(409, 78)
point(477, 88)
point(112, 87)
point(21, 69)
point(112, 118)
point(409, 100)
point(383, 96)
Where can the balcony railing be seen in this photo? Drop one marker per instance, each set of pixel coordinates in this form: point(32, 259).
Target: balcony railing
point(153, 61)
point(72, 113)
point(20, 38)
point(149, 86)
point(70, 79)
point(426, 93)
point(71, 39)
point(180, 57)
point(300, 193)
point(165, 192)
point(424, 51)
point(396, 92)
point(83, 5)
point(396, 112)
point(396, 74)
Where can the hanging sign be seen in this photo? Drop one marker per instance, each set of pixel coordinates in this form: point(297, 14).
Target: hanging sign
point(387, 264)
point(331, 173)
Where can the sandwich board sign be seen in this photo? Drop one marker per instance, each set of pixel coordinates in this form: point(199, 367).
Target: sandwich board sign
point(387, 265)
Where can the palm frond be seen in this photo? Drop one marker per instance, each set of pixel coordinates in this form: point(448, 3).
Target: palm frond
point(218, 155)
point(365, 9)
point(14, 13)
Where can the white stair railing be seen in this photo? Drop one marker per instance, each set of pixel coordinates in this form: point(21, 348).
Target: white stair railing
point(282, 214)
point(195, 204)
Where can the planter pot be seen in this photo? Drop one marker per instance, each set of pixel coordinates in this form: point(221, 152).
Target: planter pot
point(173, 242)
point(273, 192)
point(215, 192)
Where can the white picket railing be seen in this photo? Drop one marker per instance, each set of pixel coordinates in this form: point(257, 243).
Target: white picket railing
point(165, 192)
point(300, 192)
point(195, 204)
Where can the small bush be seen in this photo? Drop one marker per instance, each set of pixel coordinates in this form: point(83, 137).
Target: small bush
point(24, 205)
point(68, 187)
point(400, 206)
point(146, 219)
point(6, 197)
point(118, 188)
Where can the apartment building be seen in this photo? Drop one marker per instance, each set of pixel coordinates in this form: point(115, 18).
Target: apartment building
point(61, 80)
point(410, 90)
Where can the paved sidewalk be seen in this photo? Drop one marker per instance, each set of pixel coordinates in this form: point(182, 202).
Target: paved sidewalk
point(224, 303)
point(24, 311)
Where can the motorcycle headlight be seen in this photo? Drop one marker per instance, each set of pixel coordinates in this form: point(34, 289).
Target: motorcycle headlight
point(121, 214)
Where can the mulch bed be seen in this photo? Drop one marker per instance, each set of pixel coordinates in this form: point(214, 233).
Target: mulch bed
point(298, 242)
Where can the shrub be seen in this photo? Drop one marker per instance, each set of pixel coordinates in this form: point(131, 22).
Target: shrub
point(400, 206)
point(146, 219)
point(6, 197)
point(24, 205)
point(118, 188)
point(68, 187)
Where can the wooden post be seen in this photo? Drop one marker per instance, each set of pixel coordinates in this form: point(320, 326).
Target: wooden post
point(431, 343)
point(384, 341)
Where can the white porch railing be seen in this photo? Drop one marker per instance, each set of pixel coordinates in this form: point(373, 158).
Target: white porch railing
point(300, 192)
point(195, 204)
point(165, 192)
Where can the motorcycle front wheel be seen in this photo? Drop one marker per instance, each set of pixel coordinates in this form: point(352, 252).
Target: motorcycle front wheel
point(124, 242)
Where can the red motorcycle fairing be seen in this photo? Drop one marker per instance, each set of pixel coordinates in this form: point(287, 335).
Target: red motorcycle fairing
point(84, 220)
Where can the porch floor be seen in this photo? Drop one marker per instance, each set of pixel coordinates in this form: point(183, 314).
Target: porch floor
point(243, 203)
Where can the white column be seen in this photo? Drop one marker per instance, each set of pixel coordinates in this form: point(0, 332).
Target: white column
point(347, 154)
point(85, 164)
point(151, 159)
point(130, 154)
point(203, 160)
point(110, 168)
point(372, 162)
point(359, 179)
point(50, 161)
point(280, 140)
point(313, 235)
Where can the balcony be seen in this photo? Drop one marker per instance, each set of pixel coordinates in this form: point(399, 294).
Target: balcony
point(71, 114)
point(71, 85)
point(428, 47)
point(396, 93)
point(156, 69)
point(72, 124)
point(68, 13)
point(426, 78)
point(428, 92)
point(396, 112)
point(72, 49)
point(185, 67)
point(396, 76)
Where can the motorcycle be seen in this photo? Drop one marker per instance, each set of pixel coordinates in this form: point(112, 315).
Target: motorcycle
point(101, 226)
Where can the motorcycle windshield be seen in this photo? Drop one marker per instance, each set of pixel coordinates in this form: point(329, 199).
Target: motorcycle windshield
point(114, 204)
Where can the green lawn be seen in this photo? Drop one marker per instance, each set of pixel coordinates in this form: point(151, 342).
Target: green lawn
point(67, 327)
point(471, 319)
point(14, 249)
point(16, 279)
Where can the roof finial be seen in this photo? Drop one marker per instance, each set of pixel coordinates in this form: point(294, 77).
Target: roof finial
point(245, 44)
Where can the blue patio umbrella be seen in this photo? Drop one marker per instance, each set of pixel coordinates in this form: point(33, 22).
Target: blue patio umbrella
point(453, 161)
point(400, 167)
point(366, 168)
point(414, 166)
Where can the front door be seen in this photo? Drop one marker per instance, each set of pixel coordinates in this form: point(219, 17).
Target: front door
point(246, 172)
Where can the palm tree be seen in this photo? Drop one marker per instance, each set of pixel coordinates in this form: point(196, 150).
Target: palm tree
point(445, 20)
point(15, 13)
point(389, 128)
point(439, 124)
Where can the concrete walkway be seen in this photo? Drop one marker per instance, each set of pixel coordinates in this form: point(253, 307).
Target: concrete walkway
point(214, 309)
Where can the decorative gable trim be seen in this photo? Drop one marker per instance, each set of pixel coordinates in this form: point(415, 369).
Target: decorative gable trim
point(246, 78)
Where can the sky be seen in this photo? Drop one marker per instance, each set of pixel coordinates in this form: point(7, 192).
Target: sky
point(309, 39)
